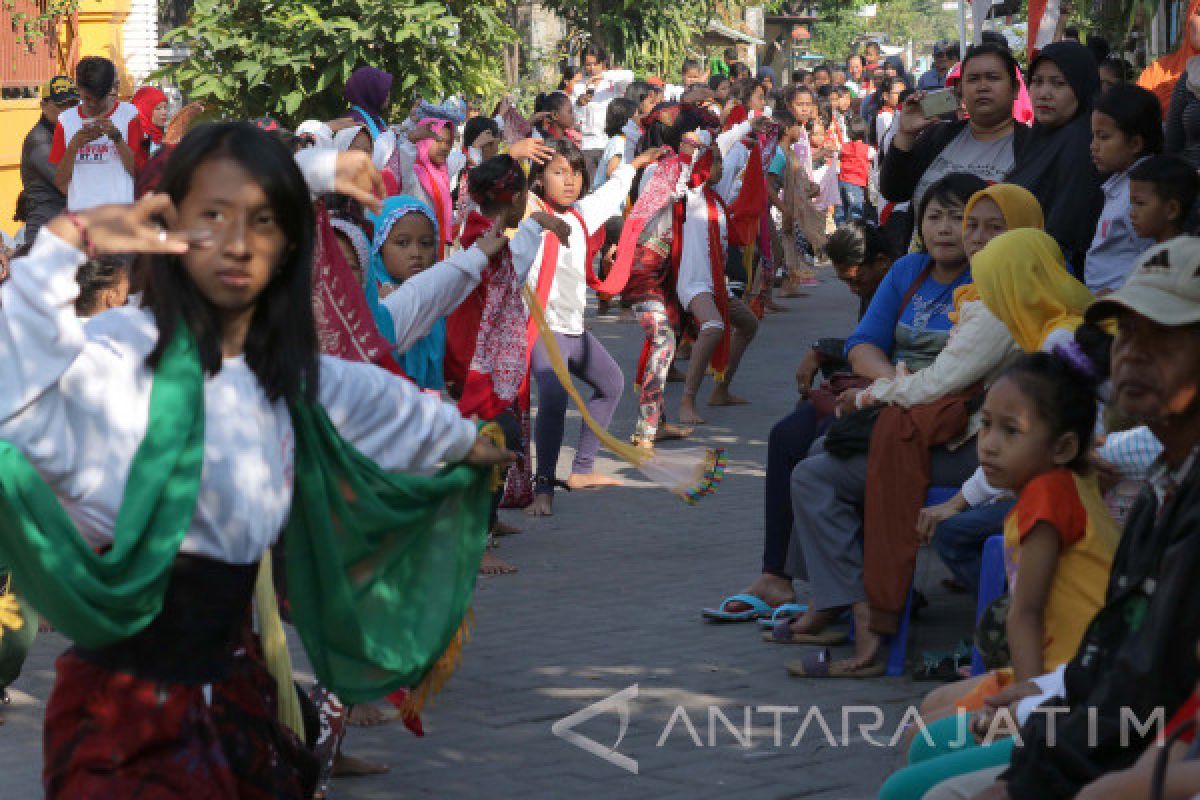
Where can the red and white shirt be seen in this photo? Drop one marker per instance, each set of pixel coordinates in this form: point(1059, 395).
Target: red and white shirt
point(99, 177)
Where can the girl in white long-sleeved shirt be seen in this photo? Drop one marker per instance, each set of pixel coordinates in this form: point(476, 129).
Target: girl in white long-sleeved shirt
point(560, 277)
point(75, 400)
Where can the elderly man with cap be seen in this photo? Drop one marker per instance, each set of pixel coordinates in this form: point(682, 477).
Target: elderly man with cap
point(1138, 656)
point(41, 200)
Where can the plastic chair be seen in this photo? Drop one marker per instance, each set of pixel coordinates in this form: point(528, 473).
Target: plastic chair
point(898, 644)
point(992, 583)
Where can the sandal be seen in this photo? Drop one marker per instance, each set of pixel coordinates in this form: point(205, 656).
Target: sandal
point(784, 611)
point(820, 664)
point(758, 608)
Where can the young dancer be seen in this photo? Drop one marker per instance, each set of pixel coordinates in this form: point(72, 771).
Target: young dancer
point(208, 403)
point(674, 259)
point(103, 284)
point(560, 279)
point(487, 354)
point(743, 188)
point(419, 165)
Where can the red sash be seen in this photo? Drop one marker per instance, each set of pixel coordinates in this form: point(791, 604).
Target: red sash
point(751, 202)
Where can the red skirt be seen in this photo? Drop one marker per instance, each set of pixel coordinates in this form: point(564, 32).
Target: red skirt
point(111, 734)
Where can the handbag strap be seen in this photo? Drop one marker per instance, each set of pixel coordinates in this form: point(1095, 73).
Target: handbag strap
point(913, 288)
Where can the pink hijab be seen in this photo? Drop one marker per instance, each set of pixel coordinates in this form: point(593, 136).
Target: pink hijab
point(435, 180)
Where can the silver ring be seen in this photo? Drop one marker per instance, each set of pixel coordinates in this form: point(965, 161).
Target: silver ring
point(162, 234)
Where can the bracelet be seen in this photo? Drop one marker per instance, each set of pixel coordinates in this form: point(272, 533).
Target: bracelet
point(89, 249)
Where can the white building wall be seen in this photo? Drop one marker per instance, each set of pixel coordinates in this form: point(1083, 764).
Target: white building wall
point(140, 39)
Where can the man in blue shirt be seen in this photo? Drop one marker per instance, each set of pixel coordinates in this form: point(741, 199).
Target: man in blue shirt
point(944, 56)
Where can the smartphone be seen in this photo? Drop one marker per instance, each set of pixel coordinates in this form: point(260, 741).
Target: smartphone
point(939, 103)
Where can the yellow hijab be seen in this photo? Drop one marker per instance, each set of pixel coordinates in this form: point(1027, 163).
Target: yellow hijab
point(1020, 209)
point(1022, 279)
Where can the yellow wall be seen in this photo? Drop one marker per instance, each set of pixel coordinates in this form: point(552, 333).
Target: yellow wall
point(101, 27)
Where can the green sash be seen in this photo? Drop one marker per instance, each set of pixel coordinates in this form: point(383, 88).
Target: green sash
point(380, 567)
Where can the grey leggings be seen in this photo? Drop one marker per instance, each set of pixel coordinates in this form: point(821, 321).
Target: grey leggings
point(587, 359)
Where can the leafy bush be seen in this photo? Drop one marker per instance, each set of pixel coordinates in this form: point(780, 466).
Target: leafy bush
point(291, 58)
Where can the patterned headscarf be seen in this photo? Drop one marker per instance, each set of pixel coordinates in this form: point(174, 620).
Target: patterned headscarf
point(422, 361)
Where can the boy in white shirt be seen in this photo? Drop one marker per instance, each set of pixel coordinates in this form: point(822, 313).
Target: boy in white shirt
point(95, 164)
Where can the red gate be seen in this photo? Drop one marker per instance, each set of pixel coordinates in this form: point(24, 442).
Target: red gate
point(31, 54)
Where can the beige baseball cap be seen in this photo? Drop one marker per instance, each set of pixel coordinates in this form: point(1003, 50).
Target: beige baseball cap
point(1164, 286)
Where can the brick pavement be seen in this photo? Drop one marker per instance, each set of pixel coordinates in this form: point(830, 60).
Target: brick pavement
point(608, 596)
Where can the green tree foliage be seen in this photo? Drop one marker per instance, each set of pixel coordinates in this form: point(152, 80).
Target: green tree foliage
point(923, 21)
point(652, 36)
point(290, 58)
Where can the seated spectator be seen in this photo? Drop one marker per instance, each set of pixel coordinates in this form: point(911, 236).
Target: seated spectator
point(1116, 71)
point(985, 145)
point(1162, 196)
point(1137, 655)
point(1036, 441)
point(904, 330)
point(862, 255)
point(1125, 132)
point(960, 526)
point(1056, 165)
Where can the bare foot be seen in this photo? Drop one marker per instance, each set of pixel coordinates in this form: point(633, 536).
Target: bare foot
point(676, 375)
point(503, 529)
point(866, 645)
point(542, 506)
point(494, 565)
point(775, 308)
point(721, 396)
point(345, 766)
point(814, 621)
point(666, 432)
point(687, 412)
point(593, 480)
point(771, 589)
point(365, 715)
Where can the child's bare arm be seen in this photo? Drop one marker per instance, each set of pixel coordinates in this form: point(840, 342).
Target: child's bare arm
point(1035, 576)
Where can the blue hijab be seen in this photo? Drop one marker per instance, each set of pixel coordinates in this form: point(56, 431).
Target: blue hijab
point(422, 361)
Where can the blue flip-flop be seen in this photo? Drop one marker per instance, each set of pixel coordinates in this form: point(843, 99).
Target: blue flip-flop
point(783, 611)
point(758, 609)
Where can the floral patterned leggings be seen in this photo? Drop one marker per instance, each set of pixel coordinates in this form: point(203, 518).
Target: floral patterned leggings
point(661, 337)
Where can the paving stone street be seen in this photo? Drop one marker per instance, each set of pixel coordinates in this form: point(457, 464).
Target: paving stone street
point(608, 597)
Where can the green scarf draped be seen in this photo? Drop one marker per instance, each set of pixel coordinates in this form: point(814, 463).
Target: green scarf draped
point(380, 566)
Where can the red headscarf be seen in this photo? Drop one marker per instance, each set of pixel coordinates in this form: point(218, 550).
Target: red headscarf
point(1161, 76)
point(146, 99)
